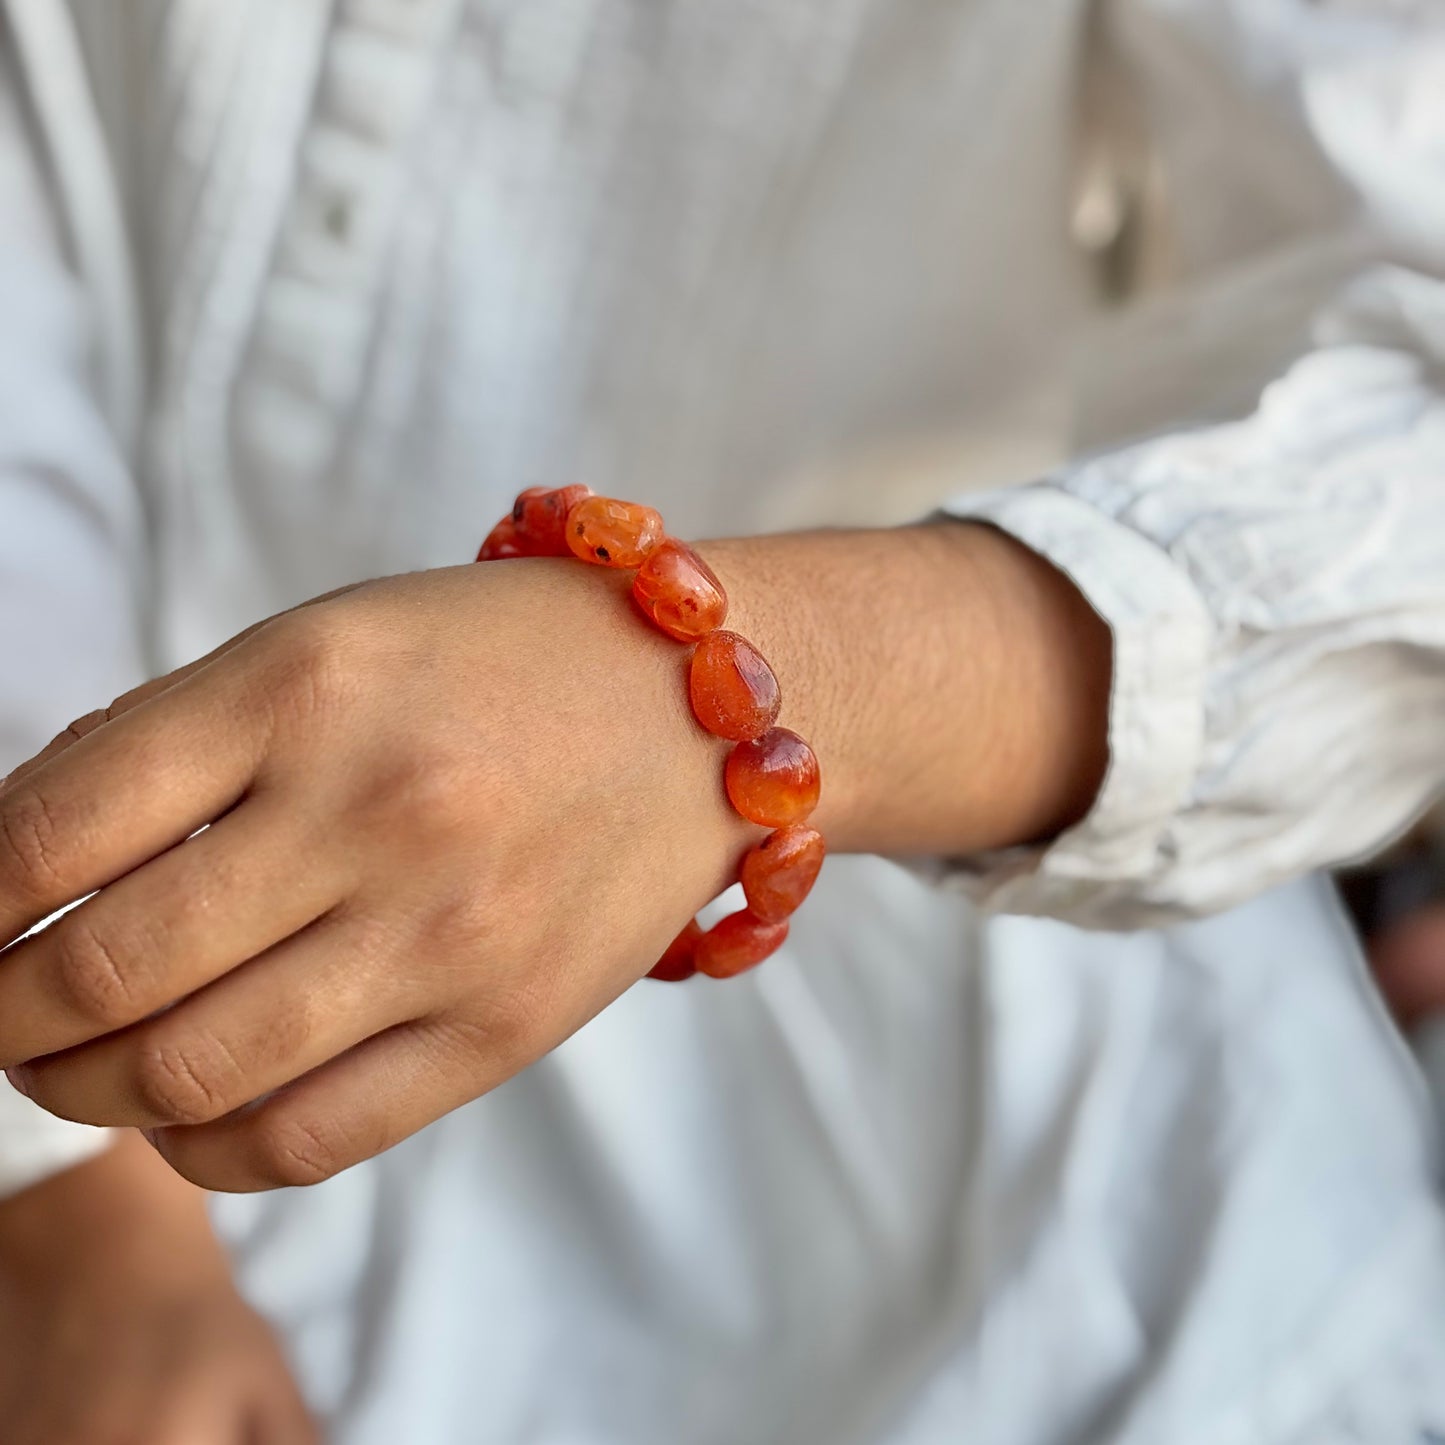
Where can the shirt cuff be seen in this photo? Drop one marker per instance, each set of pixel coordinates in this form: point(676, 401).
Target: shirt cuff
point(1096, 874)
point(34, 1145)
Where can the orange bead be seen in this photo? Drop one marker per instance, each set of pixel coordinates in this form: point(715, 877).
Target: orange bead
point(780, 872)
point(612, 533)
point(679, 592)
point(680, 959)
point(734, 692)
point(773, 780)
point(501, 543)
point(540, 516)
point(737, 943)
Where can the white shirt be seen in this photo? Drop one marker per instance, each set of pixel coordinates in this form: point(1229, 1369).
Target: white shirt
point(925, 1175)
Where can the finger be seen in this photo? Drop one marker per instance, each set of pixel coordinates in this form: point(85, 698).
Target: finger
point(296, 1007)
point(84, 726)
point(125, 792)
point(58, 744)
point(355, 1107)
point(170, 927)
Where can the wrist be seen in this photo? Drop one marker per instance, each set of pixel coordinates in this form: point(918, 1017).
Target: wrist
point(627, 693)
point(780, 589)
point(954, 683)
point(769, 775)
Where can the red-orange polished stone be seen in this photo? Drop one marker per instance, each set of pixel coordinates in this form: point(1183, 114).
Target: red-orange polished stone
point(780, 871)
point(613, 533)
point(679, 592)
point(680, 959)
point(773, 780)
point(501, 543)
point(540, 517)
point(737, 943)
point(734, 692)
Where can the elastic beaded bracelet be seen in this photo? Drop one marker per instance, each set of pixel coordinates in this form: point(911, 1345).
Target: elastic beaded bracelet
point(771, 775)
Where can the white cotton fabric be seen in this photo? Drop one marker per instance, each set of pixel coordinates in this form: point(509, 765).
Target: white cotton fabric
point(930, 1175)
point(1276, 585)
point(70, 544)
point(1280, 663)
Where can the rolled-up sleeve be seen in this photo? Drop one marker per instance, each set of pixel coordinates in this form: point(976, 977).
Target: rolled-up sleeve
point(71, 540)
point(1275, 585)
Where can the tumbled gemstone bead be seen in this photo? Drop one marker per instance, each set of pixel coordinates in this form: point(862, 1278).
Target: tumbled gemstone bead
point(612, 533)
point(734, 692)
point(679, 961)
point(737, 943)
point(679, 592)
point(773, 780)
point(780, 872)
point(540, 516)
point(501, 543)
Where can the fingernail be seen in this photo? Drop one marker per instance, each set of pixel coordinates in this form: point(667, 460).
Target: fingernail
point(18, 1081)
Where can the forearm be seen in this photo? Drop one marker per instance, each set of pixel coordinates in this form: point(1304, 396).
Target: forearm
point(954, 685)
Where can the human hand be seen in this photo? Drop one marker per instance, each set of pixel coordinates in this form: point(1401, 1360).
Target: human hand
point(1408, 957)
point(452, 815)
point(455, 814)
point(119, 1323)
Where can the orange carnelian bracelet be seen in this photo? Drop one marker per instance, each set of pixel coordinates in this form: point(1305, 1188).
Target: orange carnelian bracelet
point(771, 775)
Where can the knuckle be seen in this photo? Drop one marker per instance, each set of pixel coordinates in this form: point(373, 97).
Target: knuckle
point(315, 664)
point(443, 792)
point(367, 944)
point(464, 919)
point(431, 789)
point(505, 1028)
point(92, 976)
point(30, 842)
point(517, 1019)
point(177, 1084)
point(294, 1154)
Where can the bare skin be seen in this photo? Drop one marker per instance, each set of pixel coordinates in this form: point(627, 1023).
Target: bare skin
point(1409, 961)
point(119, 1324)
point(392, 912)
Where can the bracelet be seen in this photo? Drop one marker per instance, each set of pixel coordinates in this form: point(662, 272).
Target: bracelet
point(771, 774)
